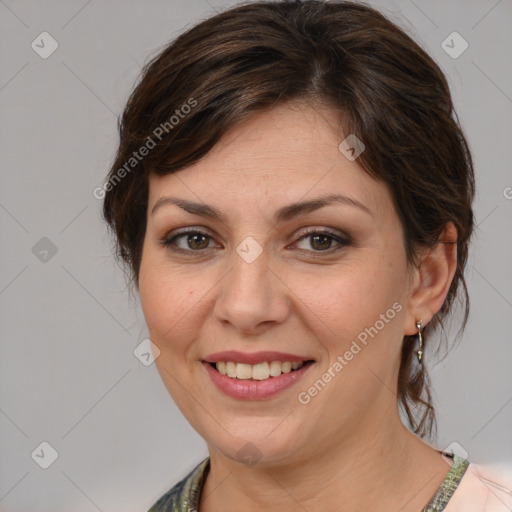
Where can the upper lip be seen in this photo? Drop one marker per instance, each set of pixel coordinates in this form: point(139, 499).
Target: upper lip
point(254, 357)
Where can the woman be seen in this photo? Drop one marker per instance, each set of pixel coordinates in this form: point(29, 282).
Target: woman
point(292, 199)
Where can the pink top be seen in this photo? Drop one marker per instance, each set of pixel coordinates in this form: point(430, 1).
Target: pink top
point(482, 489)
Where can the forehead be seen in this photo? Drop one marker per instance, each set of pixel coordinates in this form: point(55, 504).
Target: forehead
point(283, 155)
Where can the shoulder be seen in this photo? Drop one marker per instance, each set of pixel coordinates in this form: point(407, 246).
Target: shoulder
point(483, 489)
point(186, 493)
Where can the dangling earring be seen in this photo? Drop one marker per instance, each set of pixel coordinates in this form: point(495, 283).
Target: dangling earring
point(420, 341)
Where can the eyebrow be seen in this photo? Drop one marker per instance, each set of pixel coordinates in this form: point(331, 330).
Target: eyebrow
point(283, 214)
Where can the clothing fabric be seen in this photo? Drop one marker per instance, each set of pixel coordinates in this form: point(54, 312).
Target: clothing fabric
point(467, 487)
point(186, 494)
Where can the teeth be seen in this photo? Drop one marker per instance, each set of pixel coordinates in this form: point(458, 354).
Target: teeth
point(243, 371)
point(275, 368)
point(230, 370)
point(260, 371)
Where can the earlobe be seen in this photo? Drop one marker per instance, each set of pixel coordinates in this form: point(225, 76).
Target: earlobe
point(433, 279)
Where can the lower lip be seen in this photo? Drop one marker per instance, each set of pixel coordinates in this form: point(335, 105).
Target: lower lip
point(255, 389)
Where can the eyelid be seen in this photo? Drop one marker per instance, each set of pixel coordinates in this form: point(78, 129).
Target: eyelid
point(340, 238)
point(334, 233)
point(166, 240)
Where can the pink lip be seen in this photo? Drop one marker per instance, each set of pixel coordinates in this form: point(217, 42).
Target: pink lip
point(254, 358)
point(255, 389)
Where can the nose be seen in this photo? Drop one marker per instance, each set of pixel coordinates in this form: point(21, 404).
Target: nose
point(252, 296)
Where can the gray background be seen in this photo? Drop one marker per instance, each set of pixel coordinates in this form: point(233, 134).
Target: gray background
point(68, 373)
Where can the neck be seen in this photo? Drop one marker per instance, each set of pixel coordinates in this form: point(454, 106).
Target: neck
point(384, 467)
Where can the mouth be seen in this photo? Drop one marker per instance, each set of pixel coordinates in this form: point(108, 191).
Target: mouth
point(257, 372)
point(260, 381)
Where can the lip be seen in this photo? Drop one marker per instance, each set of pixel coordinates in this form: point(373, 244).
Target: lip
point(254, 358)
point(255, 389)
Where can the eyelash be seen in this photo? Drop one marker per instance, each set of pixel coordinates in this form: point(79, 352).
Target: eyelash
point(342, 241)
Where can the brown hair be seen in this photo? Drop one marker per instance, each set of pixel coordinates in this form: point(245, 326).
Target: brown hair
point(345, 55)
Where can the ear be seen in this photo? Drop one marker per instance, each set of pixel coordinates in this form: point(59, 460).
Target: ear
point(431, 280)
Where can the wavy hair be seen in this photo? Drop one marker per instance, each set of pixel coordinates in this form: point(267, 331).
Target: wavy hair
point(346, 55)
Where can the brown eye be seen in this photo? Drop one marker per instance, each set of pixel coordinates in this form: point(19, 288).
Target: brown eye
point(188, 241)
point(197, 241)
point(323, 241)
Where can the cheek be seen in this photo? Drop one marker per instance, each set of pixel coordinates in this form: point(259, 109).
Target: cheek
point(170, 306)
point(343, 302)
point(168, 299)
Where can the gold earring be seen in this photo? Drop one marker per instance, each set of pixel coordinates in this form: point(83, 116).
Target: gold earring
point(420, 341)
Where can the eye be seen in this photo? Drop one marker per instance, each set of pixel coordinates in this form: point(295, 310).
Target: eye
point(194, 240)
point(191, 241)
point(322, 240)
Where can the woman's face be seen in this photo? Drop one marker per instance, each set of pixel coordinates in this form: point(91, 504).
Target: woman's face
point(324, 284)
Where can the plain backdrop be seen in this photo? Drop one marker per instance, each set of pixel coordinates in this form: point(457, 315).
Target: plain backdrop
point(69, 376)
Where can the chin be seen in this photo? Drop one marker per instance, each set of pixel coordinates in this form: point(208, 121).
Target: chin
point(264, 445)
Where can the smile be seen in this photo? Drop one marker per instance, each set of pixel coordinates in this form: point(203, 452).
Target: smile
point(260, 371)
point(259, 381)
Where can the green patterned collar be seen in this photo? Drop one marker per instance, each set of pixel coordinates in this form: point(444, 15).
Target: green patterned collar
point(185, 496)
point(448, 485)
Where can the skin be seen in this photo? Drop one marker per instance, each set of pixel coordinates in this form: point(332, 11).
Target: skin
point(295, 297)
